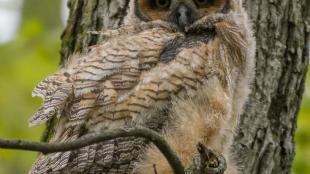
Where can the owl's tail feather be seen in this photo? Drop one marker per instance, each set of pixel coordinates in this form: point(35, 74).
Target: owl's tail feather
point(56, 90)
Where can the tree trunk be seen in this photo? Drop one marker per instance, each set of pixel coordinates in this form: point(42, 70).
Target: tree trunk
point(265, 140)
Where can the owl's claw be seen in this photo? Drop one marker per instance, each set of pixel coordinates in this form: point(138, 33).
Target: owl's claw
point(209, 162)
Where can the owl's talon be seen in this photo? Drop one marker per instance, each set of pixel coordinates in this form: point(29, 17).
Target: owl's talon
point(211, 162)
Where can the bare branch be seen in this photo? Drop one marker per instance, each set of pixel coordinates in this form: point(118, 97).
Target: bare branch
point(90, 139)
point(206, 162)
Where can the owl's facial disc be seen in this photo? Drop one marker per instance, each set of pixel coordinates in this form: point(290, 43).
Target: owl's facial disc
point(182, 13)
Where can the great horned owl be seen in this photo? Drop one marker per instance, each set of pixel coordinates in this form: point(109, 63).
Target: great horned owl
point(180, 67)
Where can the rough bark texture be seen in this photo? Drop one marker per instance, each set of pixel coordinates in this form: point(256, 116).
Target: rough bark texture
point(265, 142)
point(90, 15)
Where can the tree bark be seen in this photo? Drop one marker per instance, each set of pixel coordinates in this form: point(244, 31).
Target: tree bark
point(264, 143)
point(265, 140)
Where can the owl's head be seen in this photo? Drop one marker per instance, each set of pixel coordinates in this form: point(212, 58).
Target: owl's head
point(181, 13)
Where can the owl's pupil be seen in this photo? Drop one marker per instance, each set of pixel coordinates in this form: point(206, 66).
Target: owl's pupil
point(161, 2)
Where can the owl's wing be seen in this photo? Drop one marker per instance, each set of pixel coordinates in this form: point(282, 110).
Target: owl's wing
point(156, 87)
point(99, 78)
point(124, 55)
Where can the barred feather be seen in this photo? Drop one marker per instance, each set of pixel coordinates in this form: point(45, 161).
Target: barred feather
point(86, 90)
point(126, 81)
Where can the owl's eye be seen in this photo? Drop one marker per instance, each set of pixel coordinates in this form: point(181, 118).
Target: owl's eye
point(161, 4)
point(203, 3)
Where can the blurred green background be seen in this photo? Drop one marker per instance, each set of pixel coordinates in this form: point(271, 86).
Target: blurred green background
point(32, 53)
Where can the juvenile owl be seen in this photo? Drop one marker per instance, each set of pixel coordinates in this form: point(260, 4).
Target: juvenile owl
point(180, 67)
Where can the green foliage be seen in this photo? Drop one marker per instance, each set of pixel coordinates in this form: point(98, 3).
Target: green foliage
point(302, 139)
point(23, 63)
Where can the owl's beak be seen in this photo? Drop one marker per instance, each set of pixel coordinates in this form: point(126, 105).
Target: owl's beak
point(182, 16)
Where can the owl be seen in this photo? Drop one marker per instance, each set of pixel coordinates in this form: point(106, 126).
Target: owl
point(180, 67)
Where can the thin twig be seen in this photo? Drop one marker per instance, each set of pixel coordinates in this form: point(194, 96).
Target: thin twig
point(90, 139)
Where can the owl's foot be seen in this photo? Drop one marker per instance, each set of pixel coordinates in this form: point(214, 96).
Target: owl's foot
point(208, 161)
